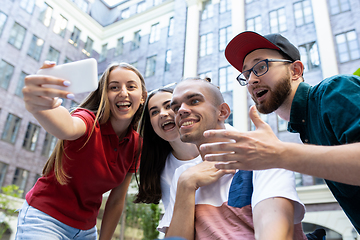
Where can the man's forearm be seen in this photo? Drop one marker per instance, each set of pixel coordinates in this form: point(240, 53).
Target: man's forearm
point(182, 223)
point(338, 163)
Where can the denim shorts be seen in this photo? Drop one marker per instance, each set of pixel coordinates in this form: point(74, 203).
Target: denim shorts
point(35, 224)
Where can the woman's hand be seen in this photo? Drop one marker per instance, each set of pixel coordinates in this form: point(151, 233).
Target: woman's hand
point(38, 97)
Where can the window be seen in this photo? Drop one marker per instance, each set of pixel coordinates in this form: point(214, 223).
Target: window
point(82, 4)
point(310, 56)
point(278, 21)
point(103, 53)
point(318, 181)
point(205, 75)
point(168, 60)
point(88, 47)
point(49, 145)
point(45, 14)
point(224, 6)
point(157, 2)
point(11, 128)
point(125, 13)
point(119, 47)
point(35, 47)
point(249, 1)
point(3, 18)
point(3, 168)
point(17, 35)
point(206, 43)
point(171, 27)
point(53, 55)
point(298, 179)
point(28, 5)
point(225, 76)
point(20, 84)
point(6, 72)
point(141, 7)
point(37, 176)
point(67, 60)
point(208, 11)
point(31, 137)
point(264, 117)
point(155, 33)
point(348, 46)
point(75, 36)
point(254, 24)
point(303, 13)
point(230, 119)
point(281, 124)
point(150, 66)
point(20, 178)
point(136, 41)
point(339, 6)
point(60, 26)
point(134, 64)
point(224, 37)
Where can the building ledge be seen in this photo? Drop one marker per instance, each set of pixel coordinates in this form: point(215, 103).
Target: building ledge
point(315, 194)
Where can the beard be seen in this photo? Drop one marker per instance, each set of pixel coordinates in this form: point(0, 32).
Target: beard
point(194, 136)
point(279, 94)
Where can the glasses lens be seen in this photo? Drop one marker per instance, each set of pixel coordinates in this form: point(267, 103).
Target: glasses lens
point(260, 68)
point(241, 79)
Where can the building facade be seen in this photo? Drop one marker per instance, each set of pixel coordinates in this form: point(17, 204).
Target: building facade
point(167, 40)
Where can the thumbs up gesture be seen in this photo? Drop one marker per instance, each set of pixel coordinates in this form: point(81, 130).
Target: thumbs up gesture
point(253, 150)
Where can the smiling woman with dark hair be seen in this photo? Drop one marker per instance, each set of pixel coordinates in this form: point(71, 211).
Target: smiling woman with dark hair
point(162, 151)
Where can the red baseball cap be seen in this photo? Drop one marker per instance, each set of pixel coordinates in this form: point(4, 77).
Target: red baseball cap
point(246, 42)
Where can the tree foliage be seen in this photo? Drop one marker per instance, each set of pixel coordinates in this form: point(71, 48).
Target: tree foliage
point(357, 72)
point(6, 205)
point(143, 216)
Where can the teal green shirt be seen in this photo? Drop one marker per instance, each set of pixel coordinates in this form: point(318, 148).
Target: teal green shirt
point(329, 114)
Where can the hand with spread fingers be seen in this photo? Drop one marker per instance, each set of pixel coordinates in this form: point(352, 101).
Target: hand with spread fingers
point(255, 150)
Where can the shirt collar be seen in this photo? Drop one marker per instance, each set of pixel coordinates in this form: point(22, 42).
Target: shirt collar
point(107, 129)
point(299, 106)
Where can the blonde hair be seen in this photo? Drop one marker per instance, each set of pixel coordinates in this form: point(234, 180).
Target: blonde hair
point(98, 103)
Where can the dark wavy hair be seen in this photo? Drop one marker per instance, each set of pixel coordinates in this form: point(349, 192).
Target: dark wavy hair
point(153, 157)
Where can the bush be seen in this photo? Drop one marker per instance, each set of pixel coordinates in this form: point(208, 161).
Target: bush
point(143, 216)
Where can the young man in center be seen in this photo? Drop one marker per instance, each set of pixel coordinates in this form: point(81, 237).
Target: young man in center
point(205, 202)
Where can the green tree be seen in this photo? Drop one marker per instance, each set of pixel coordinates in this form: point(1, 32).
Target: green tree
point(357, 72)
point(6, 207)
point(143, 216)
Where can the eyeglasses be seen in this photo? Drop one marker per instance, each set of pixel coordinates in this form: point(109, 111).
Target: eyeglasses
point(258, 69)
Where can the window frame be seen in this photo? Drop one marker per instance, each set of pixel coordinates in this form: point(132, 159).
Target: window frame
point(277, 19)
point(348, 46)
point(45, 14)
point(6, 73)
point(16, 30)
point(31, 137)
point(11, 128)
point(150, 68)
point(35, 49)
point(28, 5)
point(303, 9)
point(206, 44)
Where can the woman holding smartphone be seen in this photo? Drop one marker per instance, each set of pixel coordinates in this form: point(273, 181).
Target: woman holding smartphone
point(97, 151)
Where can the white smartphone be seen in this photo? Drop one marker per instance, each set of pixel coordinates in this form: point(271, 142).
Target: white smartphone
point(82, 75)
